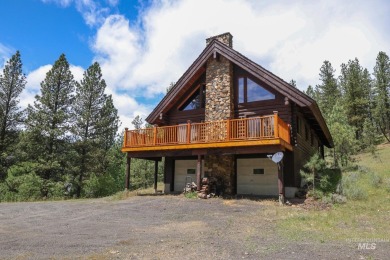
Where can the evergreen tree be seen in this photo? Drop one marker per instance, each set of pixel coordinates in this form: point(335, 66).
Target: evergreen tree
point(381, 93)
point(312, 93)
point(355, 83)
point(137, 122)
point(171, 85)
point(328, 91)
point(343, 135)
point(48, 123)
point(95, 126)
point(12, 83)
point(293, 83)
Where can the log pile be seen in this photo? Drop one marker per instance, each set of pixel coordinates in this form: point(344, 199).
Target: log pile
point(204, 192)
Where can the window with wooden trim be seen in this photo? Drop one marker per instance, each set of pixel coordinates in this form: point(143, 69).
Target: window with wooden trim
point(250, 91)
point(298, 124)
point(306, 132)
point(196, 100)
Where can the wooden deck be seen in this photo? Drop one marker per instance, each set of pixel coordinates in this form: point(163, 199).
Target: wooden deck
point(254, 131)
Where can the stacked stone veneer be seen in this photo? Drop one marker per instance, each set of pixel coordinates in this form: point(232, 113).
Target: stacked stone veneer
point(219, 89)
point(225, 38)
point(219, 106)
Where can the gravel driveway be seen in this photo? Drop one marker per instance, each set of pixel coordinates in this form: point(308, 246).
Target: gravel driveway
point(156, 227)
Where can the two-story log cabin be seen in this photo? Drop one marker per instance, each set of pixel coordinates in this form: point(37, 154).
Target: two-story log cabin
point(222, 119)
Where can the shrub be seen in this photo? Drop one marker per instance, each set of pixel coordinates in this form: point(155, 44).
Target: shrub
point(375, 179)
point(321, 180)
point(191, 195)
point(355, 193)
point(387, 184)
point(99, 186)
point(350, 187)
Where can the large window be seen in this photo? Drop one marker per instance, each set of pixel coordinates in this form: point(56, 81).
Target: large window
point(197, 100)
point(250, 91)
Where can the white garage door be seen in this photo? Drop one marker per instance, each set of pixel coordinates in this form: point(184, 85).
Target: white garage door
point(257, 176)
point(183, 169)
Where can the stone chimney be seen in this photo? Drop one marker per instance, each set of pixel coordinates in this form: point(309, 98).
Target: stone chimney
point(225, 38)
point(219, 106)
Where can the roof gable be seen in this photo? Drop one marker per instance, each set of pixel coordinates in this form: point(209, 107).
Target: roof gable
point(215, 47)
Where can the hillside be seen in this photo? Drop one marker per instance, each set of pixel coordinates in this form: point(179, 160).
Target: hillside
point(366, 215)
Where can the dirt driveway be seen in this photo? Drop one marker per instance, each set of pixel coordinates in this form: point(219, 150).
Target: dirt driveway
point(156, 227)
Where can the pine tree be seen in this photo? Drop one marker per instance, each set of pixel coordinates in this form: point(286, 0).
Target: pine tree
point(355, 83)
point(328, 91)
point(137, 122)
point(293, 83)
point(343, 135)
point(313, 93)
point(12, 83)
point(95, 128)
point(381, 93)
point(49, 120)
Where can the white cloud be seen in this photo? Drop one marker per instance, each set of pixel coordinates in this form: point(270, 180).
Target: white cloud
point(5, 54)
point(290, 39)
point(34, 79)
point(142, 57)
point(128, 107)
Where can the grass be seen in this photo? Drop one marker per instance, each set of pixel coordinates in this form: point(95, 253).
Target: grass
point(191, 195)
point(121, 195)
point(365, 215)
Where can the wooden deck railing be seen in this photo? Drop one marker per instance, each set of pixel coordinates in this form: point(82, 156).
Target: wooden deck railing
point(246, 129)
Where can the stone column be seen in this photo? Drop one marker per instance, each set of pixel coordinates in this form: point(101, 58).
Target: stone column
point(219, 106)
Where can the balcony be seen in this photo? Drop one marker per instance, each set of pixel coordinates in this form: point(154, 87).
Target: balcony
point(254, 131)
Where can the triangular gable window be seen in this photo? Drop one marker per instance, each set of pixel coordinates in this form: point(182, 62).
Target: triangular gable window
point(250, 91)
point(196, 101)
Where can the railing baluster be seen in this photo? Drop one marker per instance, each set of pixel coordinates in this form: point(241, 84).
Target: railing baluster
point(276, 128)
point(255, 128)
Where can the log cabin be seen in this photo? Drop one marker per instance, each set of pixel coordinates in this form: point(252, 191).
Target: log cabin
point(223, 119)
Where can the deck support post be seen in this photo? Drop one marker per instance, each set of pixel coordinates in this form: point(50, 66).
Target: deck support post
point(198, 172)
point(125, 137)
point(155, 175)
point(127, 181)
point(276, 125)
point(281, 183)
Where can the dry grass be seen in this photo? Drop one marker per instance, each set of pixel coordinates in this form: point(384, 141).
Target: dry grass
point(139, 192)
point(365, 219)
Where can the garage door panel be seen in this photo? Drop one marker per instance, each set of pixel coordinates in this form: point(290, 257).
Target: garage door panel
point(181, 167)
point(257, 184)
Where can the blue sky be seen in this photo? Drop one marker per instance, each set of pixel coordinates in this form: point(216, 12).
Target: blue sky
point(142, 46)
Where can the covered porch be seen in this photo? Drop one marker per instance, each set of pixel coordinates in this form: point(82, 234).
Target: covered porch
point(210, 149)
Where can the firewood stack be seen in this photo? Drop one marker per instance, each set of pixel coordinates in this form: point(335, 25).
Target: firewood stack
point(204, 191)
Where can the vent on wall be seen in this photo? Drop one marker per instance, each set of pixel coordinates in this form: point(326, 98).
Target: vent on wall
point(258, 171)
point(191, 171)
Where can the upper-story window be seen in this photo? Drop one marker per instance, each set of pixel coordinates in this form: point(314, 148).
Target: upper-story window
point(196, 101)
point(250, 91)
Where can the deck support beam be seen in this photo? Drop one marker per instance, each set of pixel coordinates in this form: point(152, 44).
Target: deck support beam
point(281, 183)
point(198, 172)
point(127, 180)
point(155, 175)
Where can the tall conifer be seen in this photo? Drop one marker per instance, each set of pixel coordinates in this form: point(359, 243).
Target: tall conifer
point(12, 83)
point(355, 84)
point(381, 93)
point(95, 127)
point(49, 120)
point(327, 91)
